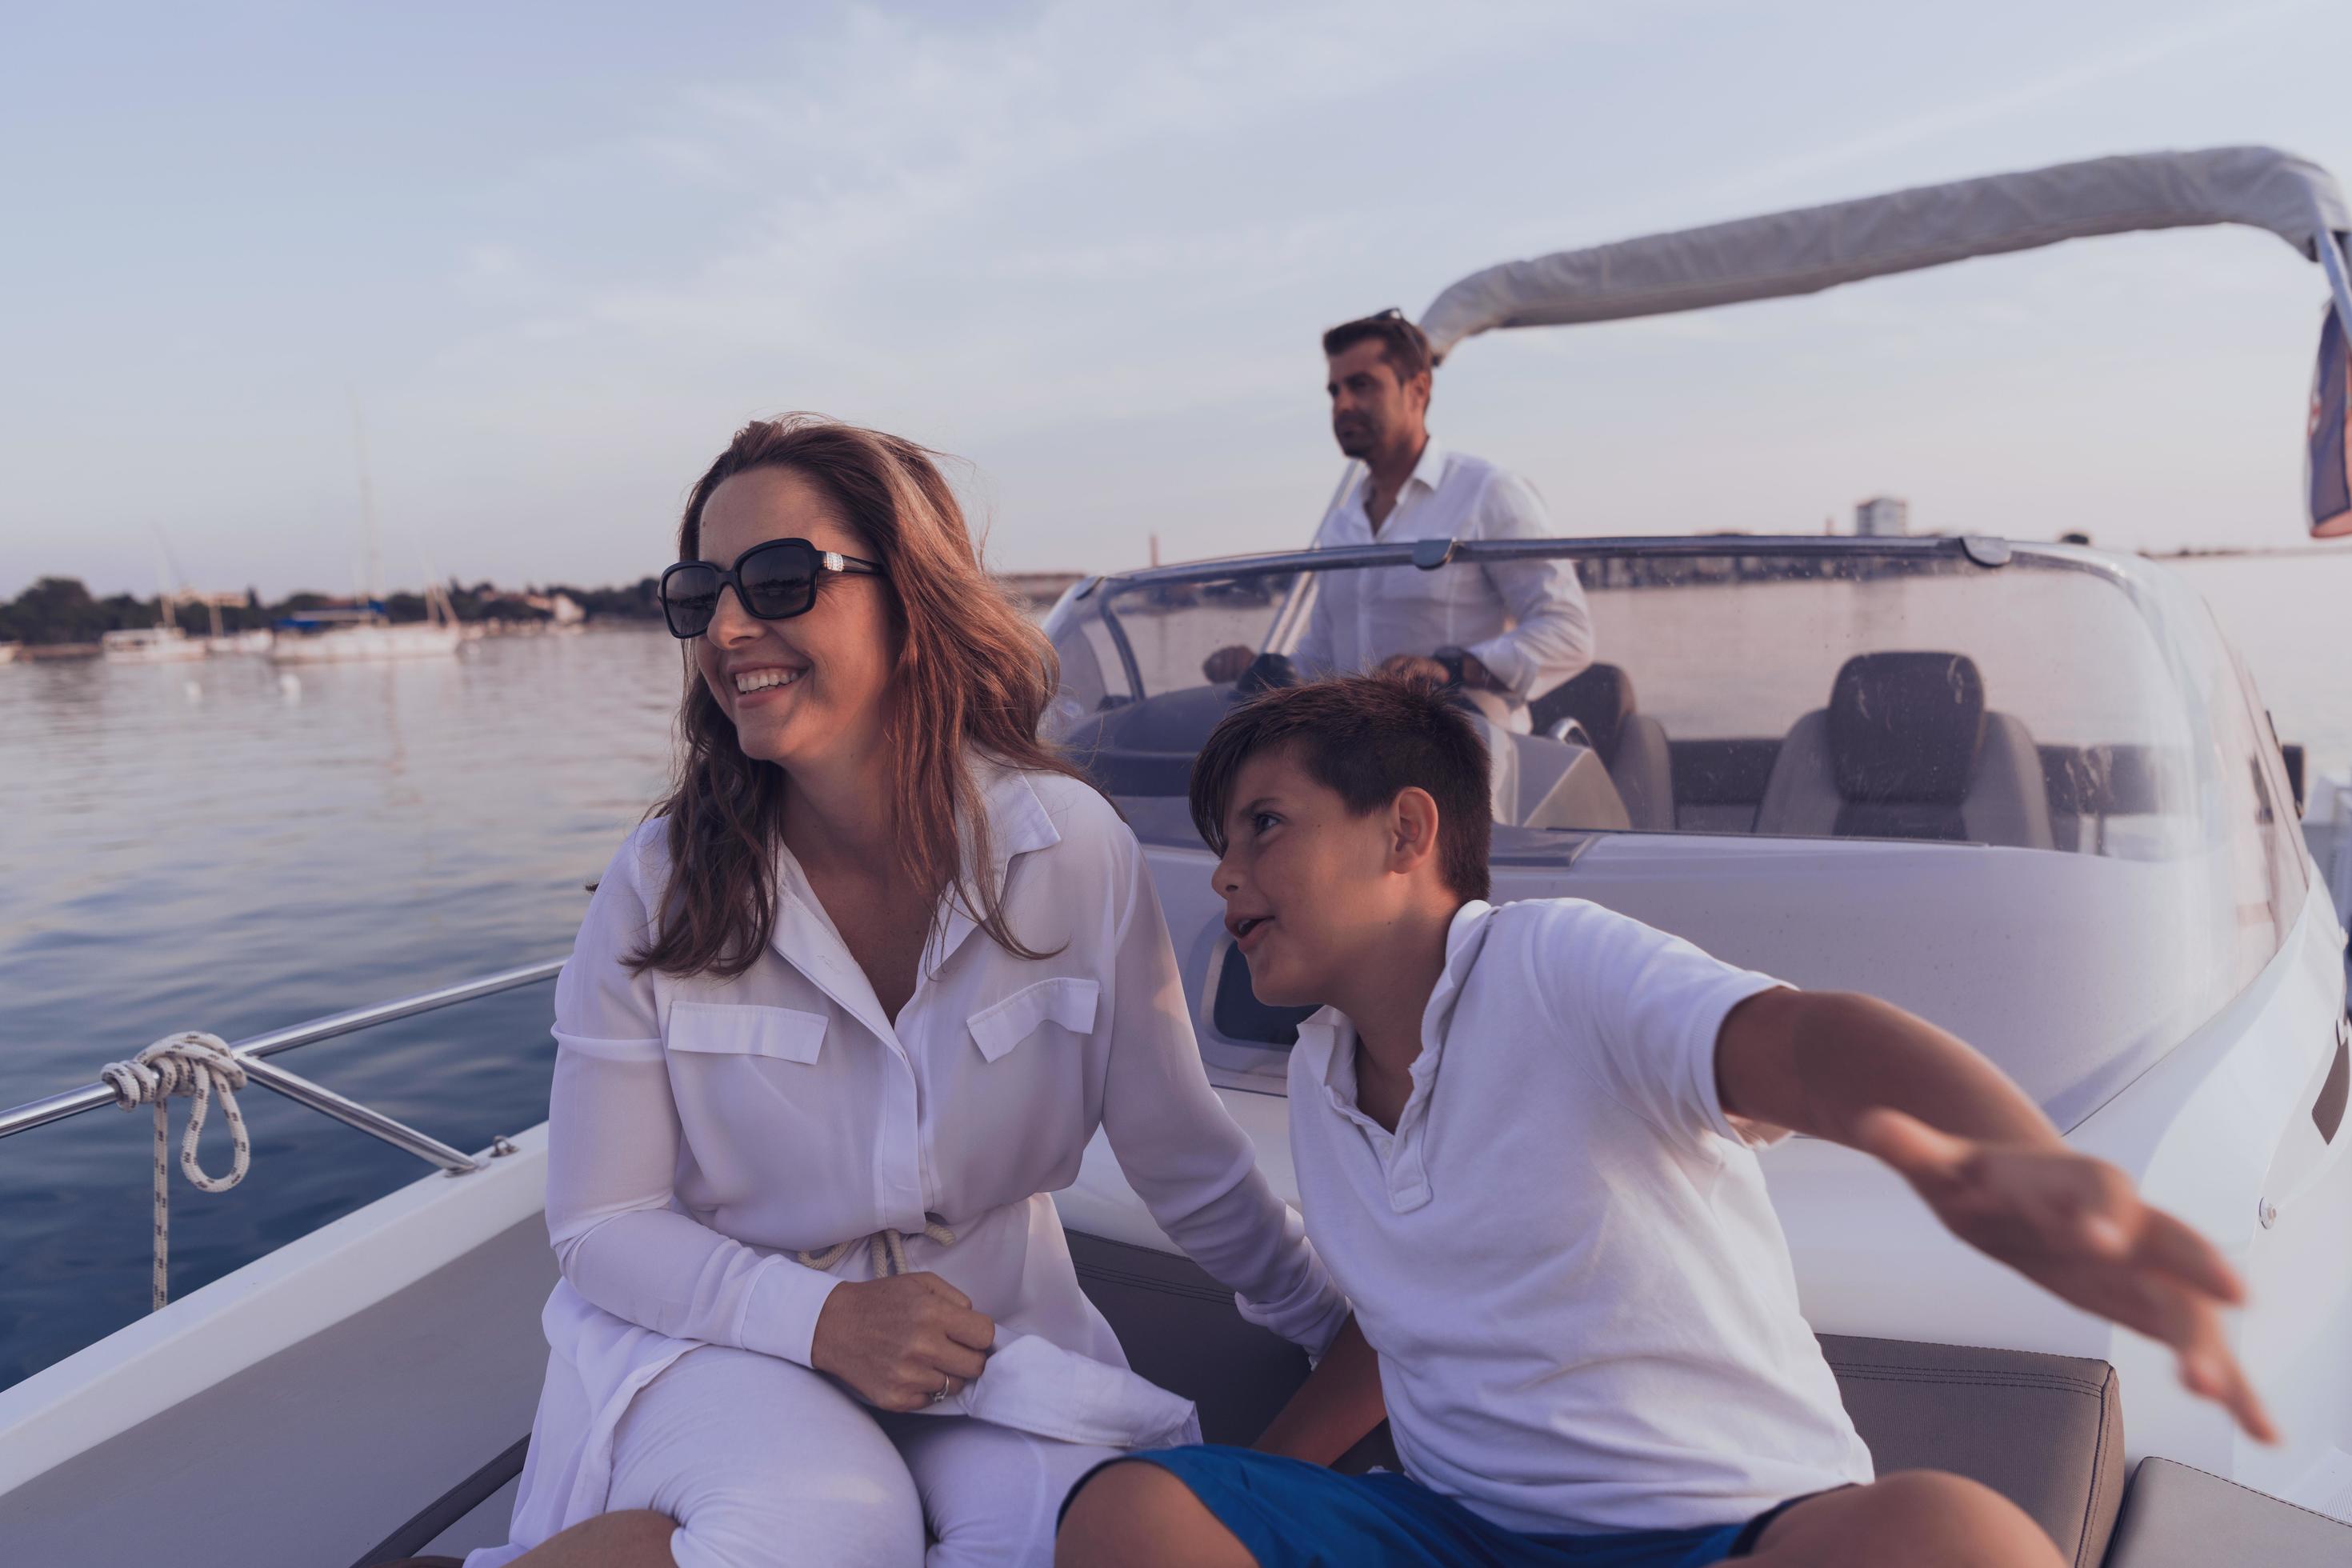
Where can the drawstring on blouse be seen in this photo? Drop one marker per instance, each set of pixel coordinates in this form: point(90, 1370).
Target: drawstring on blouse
point(886, 1249)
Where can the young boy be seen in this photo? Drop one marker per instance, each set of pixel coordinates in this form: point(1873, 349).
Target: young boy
point(1525, 1145)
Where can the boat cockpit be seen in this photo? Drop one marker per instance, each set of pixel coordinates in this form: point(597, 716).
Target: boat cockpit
point(1844, 761)
point(1775, 688)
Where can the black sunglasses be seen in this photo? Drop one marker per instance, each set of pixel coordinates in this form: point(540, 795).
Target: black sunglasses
point(774, 581)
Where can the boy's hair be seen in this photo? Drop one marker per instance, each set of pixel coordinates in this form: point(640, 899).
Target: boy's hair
point(1368, 737)
point(1402, 345)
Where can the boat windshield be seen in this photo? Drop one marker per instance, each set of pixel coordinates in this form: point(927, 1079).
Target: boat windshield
point(2057, 701)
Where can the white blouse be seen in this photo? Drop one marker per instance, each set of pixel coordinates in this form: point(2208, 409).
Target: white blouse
point(1527, 621)
point(701, 1132)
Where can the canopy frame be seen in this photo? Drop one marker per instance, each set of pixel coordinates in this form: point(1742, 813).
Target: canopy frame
point(1809, 249)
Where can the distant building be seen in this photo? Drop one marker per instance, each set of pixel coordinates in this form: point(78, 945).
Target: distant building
point(1882, 516)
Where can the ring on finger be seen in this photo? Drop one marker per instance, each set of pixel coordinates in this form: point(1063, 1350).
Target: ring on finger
point(945, 1387)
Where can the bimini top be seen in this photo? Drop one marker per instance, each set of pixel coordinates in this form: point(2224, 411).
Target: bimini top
point(1814, 248)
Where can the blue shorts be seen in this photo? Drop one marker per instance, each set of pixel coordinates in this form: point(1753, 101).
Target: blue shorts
point(1292, 1514)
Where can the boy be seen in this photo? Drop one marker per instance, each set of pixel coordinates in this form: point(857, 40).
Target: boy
point(1524, 1139)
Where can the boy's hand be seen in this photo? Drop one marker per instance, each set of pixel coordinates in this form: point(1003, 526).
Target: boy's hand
point(2074, 1226)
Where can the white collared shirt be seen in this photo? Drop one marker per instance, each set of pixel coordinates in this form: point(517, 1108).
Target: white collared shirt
point(1584, 1309)
point(1527, 621)
point(702, 1130)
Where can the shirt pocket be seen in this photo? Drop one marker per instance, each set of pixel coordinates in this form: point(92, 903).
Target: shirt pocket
point(740, 1029)
point(1066, 1000)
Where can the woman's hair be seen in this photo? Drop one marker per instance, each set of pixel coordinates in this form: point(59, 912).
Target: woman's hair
point(972, 677)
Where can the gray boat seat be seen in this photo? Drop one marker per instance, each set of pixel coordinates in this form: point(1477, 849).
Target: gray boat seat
point(2178, 1517)
point(1632, 746)
point(1906, 749)
point(2045, 1431)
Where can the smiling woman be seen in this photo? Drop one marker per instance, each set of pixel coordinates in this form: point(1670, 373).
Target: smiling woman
point(756, 693)
point(841, 1013)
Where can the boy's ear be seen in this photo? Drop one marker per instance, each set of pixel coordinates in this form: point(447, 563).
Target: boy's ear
point(1412, 829)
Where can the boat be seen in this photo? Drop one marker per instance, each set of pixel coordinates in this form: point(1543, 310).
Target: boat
point(8, 651)
point(165, 643)
point(365, 634)
point(257, 640)
point(2083, 856)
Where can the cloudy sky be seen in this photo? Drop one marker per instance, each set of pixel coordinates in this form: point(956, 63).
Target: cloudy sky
point(553, 254)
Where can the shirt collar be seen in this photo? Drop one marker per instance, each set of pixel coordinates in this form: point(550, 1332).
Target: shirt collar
point(1431, 469)
point(1327, 1033)
point(1463, 937)
point(1018, 823)
point(1426, 472)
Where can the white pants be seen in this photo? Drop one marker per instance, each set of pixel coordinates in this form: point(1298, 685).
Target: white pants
point(768, 1464)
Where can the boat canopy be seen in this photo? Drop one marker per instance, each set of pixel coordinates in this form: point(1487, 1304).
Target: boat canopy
point(1814, 249)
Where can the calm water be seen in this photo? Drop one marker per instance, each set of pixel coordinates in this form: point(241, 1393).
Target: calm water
point(196, 846)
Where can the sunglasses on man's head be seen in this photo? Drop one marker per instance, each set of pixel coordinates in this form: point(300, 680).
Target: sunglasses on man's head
point(774, 581)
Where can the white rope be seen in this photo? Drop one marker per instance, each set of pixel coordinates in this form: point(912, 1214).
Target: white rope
point(198, 1065)
point(886, 1249)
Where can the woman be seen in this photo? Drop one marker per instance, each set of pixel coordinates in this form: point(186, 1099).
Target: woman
point(838, 1018)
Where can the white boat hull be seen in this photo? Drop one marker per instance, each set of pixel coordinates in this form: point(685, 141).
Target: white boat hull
point(177, 650)
point(305, 1406)
point(361, 645)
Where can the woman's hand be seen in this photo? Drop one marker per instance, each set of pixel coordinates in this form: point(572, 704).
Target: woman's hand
point(898, 1341)
point(2074, 1226)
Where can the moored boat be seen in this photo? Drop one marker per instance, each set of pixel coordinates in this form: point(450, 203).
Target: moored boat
point(367, 635)
point(150, 645)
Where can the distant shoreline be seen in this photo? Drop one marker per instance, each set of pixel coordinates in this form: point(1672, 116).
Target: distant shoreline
point(2224, 552)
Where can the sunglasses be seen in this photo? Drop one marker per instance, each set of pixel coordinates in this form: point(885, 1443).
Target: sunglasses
point(774, 581)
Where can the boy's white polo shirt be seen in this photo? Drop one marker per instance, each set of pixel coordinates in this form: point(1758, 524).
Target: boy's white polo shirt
point(1565, 1256)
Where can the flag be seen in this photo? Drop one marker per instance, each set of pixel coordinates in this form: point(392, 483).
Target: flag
point(2328, 480)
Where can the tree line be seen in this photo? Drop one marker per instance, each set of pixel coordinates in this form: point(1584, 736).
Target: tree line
point(64, 610)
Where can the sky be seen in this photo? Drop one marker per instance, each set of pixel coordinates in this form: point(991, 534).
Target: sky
point(547, 257)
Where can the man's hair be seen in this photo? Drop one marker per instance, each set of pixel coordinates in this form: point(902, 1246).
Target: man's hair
point(1402, 345)
point(1368, 737)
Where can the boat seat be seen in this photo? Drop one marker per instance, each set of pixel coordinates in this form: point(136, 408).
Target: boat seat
point(1632, 746)
point(1906, 749)
point(2045, 1431)
point(2179, 1517)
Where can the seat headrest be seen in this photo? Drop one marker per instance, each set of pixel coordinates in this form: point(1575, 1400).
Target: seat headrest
point(1906, 726)
point(1602, 700)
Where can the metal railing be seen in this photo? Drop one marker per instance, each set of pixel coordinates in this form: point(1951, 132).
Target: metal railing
point(252, 1055)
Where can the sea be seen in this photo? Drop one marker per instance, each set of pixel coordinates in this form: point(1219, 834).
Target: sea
point(229, 846)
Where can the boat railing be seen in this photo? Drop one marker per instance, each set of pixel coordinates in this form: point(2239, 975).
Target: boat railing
point(252, 1055)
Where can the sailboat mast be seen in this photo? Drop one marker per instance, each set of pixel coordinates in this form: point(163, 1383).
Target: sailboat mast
point(367, 505)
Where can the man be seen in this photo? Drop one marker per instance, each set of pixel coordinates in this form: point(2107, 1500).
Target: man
point(1505, 631)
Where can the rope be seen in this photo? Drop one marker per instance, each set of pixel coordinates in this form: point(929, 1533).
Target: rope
point(886, 1249)
point(199, 1065)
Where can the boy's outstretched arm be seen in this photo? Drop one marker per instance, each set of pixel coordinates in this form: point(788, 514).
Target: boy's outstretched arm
point(1336, 1408)
point(1864, 1073)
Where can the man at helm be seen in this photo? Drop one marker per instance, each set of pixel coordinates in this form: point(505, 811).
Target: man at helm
point(1505, 631)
